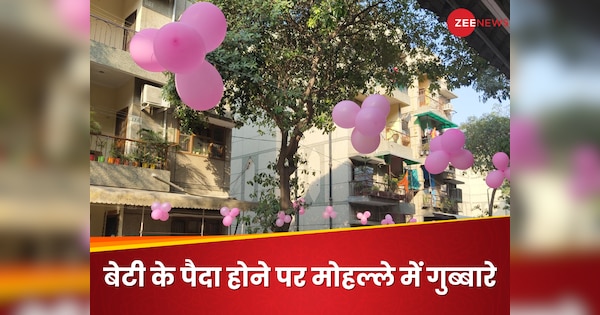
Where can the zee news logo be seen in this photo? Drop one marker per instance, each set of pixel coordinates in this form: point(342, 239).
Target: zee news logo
point(461, 22)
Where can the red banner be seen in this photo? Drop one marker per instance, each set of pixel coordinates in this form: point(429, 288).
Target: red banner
point(459, 267)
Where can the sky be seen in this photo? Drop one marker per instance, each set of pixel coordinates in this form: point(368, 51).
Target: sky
point(468, 104)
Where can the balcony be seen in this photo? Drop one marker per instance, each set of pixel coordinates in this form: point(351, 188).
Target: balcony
point(128, 163)
point(110, 33)
point(374, 194)
point(440, 200)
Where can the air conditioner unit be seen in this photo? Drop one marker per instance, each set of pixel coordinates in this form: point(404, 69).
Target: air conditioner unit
point(152, 97)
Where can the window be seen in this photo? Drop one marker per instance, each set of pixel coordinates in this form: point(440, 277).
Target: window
point(193, 226)
point(209, 142)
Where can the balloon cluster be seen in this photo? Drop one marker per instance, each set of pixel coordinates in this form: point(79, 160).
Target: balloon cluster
point(329, 213)
point(368, 121)
point(363, 217)
point(282, 218)
point(299, 204)
point(229, 215)
point(448, 148)
point(388, 220)
point(495, 178)
point(180, 47)
point(160, 211)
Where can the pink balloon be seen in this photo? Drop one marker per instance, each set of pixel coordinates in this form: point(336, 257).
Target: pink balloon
point(367, 214)
point(141, 49)
point(388, 217)
point(359, 215)
point(209, 21)
point(494, 179)
point(507, 174)
point(344, 114)
point(201, 89)
point(224, 211)
point(378, 102)
point(155, 206)
point(326, 215)
point(435, 144)
point(329, 209)
point(384, 222)
point(75, 14)
point(369, 122)
point(453, 140)
point(234, 212)
point(287, 218)
point(294, 204)
point(279, 222)
point(332, 214)
point(437, 162)
point(363, 221)
point(165, 206)
point(500, 161)
point(164, 216)
point(364, 144)
point(462, 160)
point(156, 214)
point(179, 48)
point(301, 211)
point(227, 220)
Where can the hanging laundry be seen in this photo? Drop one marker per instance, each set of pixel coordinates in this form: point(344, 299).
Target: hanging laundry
point(404, 182)
point(413, 180)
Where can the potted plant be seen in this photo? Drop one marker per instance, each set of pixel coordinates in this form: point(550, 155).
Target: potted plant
point(101, 143)
point(115, 154)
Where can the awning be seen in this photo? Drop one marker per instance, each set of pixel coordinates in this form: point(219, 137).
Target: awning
point(444, 123)
point(136, 197)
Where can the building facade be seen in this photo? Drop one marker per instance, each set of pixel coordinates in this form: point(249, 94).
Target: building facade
point(138, 155)
point(391, 180)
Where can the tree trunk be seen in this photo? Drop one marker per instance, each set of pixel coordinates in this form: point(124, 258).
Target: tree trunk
point(284, 188)
point(491, 207)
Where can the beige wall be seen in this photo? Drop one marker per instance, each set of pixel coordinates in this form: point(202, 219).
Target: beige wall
point(201, 175)
point(150, 19)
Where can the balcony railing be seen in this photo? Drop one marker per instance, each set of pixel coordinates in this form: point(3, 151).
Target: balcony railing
point(110, 33)
point(123, 151)
point(375, 189)
point(440, 200)
point(397, 136)
point(440, 103)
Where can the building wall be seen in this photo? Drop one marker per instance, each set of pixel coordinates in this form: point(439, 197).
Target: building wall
point(475, 192)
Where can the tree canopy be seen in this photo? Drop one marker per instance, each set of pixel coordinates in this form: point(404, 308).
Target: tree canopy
point(485, 136)
point(287, 63)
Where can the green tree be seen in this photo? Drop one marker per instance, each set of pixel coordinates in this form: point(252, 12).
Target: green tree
point(485, 136)
point(287, 63)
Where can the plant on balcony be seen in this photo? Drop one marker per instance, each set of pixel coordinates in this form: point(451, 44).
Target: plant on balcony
point(95, 127)
point(153, 149)
point(115, 154)
point(101, 143)
point(391, 182)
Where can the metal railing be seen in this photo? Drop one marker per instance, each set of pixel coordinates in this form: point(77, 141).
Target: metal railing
point(375, 189)
point(433, 103)
point(397, 136)
point(123, 151)
point(110, 33)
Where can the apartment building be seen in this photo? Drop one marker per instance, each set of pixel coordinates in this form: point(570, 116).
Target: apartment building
point(391, 180)
point(138, 155)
